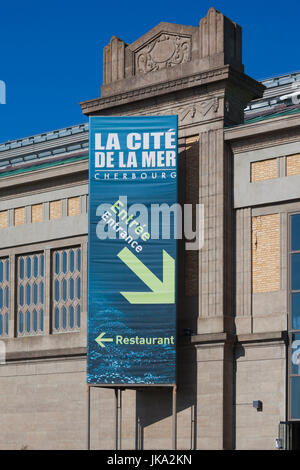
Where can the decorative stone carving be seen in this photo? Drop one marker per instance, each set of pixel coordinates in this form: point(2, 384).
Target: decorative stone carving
point(184, 112)
point(205, 106)
point(190, 111)
point(202, 108)
point(167, 50)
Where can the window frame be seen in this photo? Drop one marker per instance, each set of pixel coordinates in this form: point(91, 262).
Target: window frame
point(46, 247)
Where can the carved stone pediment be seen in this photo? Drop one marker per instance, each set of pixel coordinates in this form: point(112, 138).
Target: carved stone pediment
point(166, 50)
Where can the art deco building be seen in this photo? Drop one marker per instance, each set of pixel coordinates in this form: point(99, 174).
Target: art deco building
point(239, 308)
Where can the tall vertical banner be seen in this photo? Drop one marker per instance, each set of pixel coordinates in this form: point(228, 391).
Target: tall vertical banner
point(132, 251)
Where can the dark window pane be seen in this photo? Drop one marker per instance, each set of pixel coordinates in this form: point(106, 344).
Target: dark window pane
point(35, 320)
point(64, 318)
point(71, 261)
point(78, 316)
point(42, 320)
point(296, 232)
point(28, 267)
point(79, 259)
point(7, 270)
point(295, 397)
point(71, 313)
point(56, 319)
point(7, 297)
point(42, 265)
point(21, 268)
point(28, 321)
point(296, 311)
point(65, 258)
point(296, 271)
point(21, 322)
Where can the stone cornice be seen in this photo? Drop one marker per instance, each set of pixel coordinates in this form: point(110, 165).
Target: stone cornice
point(202, 78)
point(262, 127)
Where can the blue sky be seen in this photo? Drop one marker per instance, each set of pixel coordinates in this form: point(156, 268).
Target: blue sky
point(51, 52)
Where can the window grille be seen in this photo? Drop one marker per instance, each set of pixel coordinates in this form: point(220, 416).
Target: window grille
point(4, 296)
point(30, 294)
point(66, 289)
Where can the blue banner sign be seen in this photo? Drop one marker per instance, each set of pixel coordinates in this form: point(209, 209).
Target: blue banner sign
point(132, 251)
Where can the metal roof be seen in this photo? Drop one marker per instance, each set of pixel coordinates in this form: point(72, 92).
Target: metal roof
point(277, 97)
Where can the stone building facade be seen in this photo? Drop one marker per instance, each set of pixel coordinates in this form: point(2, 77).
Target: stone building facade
point(239, 155)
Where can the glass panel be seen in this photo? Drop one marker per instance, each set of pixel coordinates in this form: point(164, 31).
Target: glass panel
point(64, 318)
point(35, 325)
point(296, 271)
point(57, 263)
point(7, 270)
point(35, 266)
point(71, 289)
point(56, 320)
point(30, 290)
point(296, 311)
point(42, 265)
point(21, 268)
point(28, 294)
point(1, 297)
point(57, 290)
point(1, 325)
point(42, 320)
point(71, 261)
point(78, 316)
point(1, 271)
point(21, 299)
point(78, 288)
point(35, 294)
point(66, 284)
point(71, 312)
point(6, 296)
point(28, 328)
point(295, 408)
point(65, 257)
point(79, 259)
point(21, 322)
point(42, 292)
point(28, 267)
point(295, 232)
point(64, 289)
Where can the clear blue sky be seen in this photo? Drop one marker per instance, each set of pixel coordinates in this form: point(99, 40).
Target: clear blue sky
point(51, 52)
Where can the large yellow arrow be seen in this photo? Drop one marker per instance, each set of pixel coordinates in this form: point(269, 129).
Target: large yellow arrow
point(163, 292)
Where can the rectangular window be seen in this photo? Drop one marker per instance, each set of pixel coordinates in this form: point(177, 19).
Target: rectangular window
point(74, 206)
point(55, 210)
point(19, 216)
point(294, 320)
point(264, 170)
point(293, 165)
point(66, 289)
point(265, 253)
point(30, 294)
point(3, 219)
point(4, 296)
point(37, 213)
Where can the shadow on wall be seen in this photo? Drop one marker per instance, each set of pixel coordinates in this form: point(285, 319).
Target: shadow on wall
point(155, 405)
